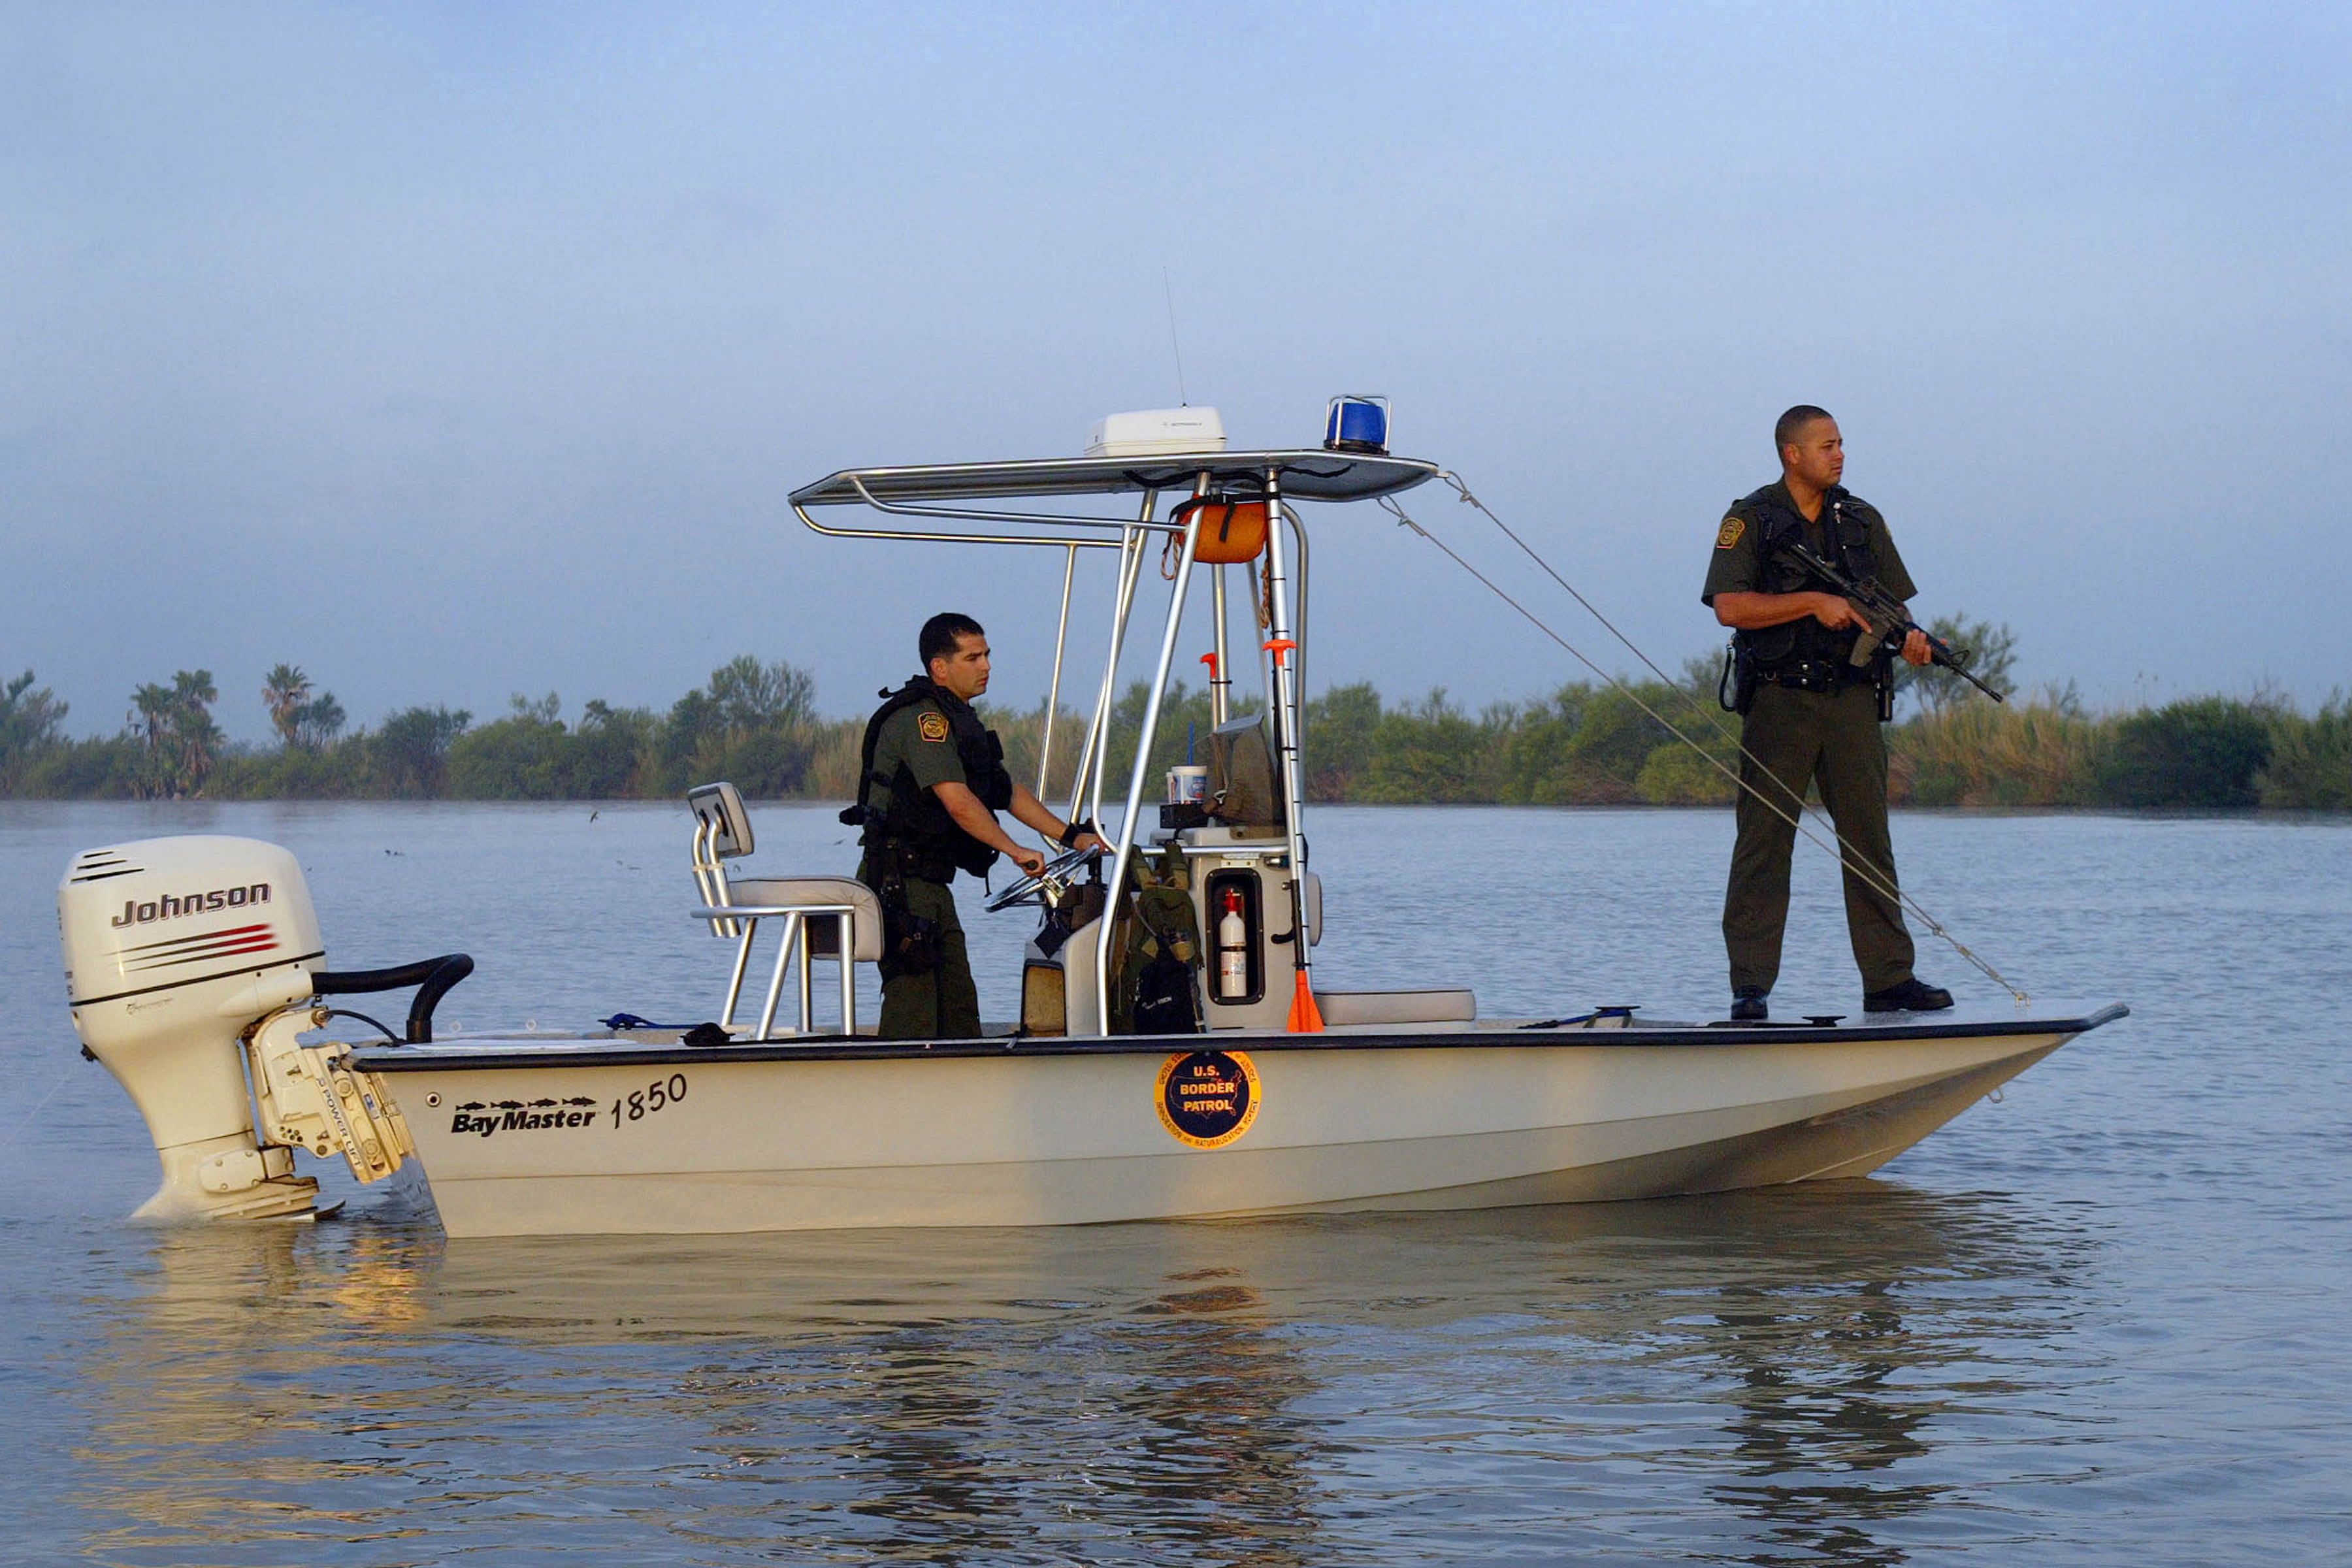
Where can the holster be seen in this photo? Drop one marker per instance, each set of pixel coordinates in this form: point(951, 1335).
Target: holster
point(904, 858)
point(1735, 688)
point(911, 944)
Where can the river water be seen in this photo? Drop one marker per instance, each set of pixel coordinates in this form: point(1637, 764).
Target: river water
point(2102, 1320)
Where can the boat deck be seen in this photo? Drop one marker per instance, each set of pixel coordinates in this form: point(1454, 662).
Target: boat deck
point(651, 1047)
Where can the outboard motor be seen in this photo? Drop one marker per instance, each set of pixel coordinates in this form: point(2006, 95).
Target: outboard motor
point(185, 958)
point(173, 946)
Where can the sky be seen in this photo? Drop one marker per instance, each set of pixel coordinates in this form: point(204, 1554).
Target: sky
point(452, 351)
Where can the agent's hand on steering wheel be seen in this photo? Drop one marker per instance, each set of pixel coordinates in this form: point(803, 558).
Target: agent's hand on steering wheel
point(1088, 841)
point(1025, 889)
point(1031, 863)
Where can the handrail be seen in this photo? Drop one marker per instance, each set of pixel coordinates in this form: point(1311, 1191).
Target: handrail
point(432, 977)
point(1058, 542)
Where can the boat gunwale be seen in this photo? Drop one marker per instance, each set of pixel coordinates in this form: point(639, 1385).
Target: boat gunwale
point(484, 1056)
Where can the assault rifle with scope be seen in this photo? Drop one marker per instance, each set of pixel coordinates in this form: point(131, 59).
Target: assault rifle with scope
point(1886, 622)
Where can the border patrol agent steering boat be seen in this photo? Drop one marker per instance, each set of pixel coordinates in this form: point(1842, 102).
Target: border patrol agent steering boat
point(932, 781)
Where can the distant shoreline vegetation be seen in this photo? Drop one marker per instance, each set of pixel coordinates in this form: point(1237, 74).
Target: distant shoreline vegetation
point(1585, 744)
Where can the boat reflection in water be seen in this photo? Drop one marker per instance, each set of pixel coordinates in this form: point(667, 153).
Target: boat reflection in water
point(1752, 1369)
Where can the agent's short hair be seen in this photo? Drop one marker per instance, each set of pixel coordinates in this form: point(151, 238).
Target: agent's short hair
point(1785, 429)
point(940, 635)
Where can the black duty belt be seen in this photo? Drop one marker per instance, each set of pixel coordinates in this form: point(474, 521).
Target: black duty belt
point(1814, 675)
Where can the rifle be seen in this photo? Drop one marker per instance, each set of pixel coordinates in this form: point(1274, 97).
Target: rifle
point(1884, 623)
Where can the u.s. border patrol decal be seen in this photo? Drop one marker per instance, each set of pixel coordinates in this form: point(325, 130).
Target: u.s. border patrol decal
point(1729, 534)
point(932, 726)
point(1207, 1099)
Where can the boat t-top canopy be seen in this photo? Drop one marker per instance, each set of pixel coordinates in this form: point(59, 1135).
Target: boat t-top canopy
point(1301, 476)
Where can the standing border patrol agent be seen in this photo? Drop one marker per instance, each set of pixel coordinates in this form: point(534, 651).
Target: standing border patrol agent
point(932, 781)
point(1810, 714)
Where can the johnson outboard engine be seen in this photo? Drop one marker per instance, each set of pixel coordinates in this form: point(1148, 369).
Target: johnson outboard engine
point(191, 962)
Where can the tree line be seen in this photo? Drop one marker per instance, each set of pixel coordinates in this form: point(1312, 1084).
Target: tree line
point(755, 723)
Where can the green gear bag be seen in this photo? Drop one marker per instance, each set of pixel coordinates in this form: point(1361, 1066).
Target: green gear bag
point(1154, 919)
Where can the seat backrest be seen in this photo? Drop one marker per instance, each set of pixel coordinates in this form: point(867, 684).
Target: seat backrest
point(719, 808)
point(723, 831)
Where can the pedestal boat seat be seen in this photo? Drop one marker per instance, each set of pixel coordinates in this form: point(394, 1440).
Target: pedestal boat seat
point(822, 917)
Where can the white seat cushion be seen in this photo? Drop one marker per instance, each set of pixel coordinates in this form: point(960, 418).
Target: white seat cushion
point(799, 892)
point(1448, 1004)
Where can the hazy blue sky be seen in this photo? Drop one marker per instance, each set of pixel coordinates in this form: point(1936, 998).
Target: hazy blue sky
point(453, 350)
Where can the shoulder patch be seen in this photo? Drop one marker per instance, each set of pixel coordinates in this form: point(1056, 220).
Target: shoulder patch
point(1729, 534)
point(932, 726)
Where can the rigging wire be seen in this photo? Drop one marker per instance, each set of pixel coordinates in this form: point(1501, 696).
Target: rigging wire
point(1868, 874)
point(1169, 290)
point(64, 1072)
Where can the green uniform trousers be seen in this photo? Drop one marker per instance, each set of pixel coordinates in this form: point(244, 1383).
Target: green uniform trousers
point(940, 1004)
point(1800, 738)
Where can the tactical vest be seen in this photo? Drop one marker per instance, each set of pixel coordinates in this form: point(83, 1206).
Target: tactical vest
point(1846, 546)
point(915, 829)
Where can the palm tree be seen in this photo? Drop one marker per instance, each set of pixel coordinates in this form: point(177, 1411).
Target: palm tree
point(193, 694)
point(318, 722)
point(150, 715)
point(150, 712)
point(283, 691)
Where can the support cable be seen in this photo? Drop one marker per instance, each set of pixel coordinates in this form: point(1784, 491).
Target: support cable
point(1870, 874)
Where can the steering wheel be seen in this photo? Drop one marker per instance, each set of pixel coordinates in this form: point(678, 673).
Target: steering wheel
point(1056, 872)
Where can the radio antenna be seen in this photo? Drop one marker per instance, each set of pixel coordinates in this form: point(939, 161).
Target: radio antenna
point(1169, 289)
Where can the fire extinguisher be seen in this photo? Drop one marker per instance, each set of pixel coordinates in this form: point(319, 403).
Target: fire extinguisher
point(1232, 950)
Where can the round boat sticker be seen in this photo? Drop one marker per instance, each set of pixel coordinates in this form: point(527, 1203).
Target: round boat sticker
point(1207, 1099)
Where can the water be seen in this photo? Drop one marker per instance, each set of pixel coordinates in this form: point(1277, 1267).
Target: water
point(2100, 1322)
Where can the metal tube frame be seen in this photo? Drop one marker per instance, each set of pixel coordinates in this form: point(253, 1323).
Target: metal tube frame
point(1220, 681)
point(1298, 654)
point(710, 878)
point(1054, 693)
point(1282, 673)
point(1091, 758)
point(1286, 704)
point(1123, 853)
point(960, 514)
point(793, 940)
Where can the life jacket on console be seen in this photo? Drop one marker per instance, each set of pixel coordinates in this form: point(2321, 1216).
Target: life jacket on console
point(914, 830)
point(1845, 545)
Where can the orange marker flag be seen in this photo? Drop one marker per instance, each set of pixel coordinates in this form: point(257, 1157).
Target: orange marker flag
point(1306, 1017)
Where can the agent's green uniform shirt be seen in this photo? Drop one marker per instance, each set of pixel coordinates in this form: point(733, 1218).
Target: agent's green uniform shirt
point(920, 736)
point(1793, 739)
point(1737, 565)
point(942, 1003)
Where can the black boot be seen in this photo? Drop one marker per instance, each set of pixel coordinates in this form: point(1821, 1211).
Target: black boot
point(1910, 996)
point(1747, 1005)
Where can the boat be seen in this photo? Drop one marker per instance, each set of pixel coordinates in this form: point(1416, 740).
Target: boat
point(197, 975)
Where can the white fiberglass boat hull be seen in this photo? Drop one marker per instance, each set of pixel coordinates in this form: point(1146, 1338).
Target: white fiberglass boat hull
point(611, 1137)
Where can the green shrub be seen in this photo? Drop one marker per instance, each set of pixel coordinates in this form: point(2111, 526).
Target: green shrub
point(2310, 766)
point(1674, 774)
point(2202, 751)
